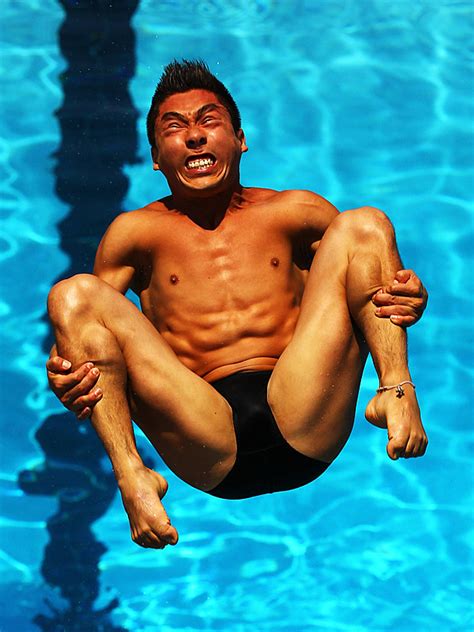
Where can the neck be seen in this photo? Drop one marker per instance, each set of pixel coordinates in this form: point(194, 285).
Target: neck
point(209, 211)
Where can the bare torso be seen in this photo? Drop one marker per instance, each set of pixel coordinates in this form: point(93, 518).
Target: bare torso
point(225, 299)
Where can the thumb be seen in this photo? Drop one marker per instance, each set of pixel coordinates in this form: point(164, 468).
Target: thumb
point(402, 276)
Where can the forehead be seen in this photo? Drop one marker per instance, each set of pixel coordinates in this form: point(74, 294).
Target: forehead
point(189, 102)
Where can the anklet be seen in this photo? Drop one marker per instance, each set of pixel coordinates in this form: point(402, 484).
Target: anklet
point(399, 387)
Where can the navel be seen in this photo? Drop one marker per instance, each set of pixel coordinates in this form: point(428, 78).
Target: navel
point(275, 262)
point(174, 279)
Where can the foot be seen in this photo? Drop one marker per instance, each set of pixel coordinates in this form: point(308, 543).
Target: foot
point(141, 496)
point(401, 417)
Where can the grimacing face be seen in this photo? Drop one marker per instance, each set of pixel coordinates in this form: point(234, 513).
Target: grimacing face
point(197, 148)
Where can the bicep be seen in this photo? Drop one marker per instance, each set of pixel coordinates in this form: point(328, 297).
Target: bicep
point(319, 213)
point(114, 261)
point(314, 215)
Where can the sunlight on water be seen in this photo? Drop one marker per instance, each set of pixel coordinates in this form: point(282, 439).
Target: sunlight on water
point(364, 102)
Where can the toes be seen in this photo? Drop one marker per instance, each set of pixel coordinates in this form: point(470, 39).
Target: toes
point(148, 540)
point(395, 449)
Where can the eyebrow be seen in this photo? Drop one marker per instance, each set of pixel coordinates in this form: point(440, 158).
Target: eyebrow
point(202, 110)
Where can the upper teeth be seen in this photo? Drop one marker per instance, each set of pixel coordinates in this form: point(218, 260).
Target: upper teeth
point(201, 162)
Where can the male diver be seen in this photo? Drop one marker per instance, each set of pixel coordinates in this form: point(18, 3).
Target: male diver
point(259, 308)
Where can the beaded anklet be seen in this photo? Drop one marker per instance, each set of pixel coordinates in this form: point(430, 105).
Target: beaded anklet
point(398, 387)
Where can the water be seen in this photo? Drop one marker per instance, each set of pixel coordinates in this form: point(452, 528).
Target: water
point(365, 102)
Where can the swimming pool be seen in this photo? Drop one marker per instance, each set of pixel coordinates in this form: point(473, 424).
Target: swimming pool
point(365, 102)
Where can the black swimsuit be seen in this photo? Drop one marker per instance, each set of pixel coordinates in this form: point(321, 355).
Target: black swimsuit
point(265, 462)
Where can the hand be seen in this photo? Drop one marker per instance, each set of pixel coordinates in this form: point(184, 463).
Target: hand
point(74, 389)
point(404, 301)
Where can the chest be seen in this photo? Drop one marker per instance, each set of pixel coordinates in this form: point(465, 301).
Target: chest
point(234, 256)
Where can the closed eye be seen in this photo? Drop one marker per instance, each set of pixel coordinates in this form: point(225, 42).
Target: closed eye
point(209, 119)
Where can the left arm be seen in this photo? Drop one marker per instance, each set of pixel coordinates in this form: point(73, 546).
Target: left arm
point(404, 301)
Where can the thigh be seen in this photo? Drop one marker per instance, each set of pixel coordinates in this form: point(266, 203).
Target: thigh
point(314, 386)
point(184, 417)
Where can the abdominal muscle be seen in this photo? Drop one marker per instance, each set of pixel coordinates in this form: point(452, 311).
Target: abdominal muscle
point(215, 346)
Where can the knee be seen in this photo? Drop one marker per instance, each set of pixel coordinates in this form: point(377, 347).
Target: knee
point(366, 222)
point(71, 295)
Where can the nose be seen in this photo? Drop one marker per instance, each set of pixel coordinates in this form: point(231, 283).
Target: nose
point(195, 138)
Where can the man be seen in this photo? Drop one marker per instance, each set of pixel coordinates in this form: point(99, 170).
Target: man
point(243, 369)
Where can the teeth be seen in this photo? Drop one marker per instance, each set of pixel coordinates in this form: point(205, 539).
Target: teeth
point(201, 162)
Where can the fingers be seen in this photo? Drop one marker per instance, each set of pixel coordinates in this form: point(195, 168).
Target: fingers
point(85, 388)
point(406, 283)
point(402, 276)
point(79, 405)
point(385, 298)
point(76, 390)
point(84, 414)
point(402, 310)
point(57, 364)
point(401, 315)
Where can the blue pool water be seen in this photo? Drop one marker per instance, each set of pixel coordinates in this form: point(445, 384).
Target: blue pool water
point(365, 102)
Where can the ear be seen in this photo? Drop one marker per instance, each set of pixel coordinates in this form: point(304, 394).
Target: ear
point(243, 142)
point(154, 158)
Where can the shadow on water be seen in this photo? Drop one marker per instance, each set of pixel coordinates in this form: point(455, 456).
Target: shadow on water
point(98, 136)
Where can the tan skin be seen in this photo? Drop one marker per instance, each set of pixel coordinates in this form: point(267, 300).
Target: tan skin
point(222, 273)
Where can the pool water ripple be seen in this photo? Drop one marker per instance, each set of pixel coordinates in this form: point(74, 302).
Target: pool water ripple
point(366, 103)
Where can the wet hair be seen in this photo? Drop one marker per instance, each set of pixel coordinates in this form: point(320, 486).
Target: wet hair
point(189, 75)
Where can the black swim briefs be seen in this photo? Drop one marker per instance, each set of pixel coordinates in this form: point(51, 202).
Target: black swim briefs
point(265, 462)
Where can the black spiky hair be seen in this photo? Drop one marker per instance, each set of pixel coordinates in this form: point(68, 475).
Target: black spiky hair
point(187, 75)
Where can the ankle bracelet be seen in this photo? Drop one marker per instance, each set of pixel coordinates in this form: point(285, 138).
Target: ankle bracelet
point(398, 387)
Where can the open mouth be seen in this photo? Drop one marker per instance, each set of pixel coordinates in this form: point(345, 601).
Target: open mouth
point(200, 163)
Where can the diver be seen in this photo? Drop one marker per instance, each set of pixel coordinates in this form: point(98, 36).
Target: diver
point(259, 308)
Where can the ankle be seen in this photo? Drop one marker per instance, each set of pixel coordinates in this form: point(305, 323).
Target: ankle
point(394, 376)
point(398, 389)
point(128, 470)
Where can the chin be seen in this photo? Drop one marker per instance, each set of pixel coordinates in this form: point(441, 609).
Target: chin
point(204, 189)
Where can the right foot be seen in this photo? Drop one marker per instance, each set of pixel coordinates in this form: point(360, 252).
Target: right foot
point(142, 492)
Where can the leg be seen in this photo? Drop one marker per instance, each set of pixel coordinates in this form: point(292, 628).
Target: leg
point(186, 420)
point(314, 386)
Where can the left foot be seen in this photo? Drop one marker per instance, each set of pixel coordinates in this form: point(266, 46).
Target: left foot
point(149, 523)
point(401, 417)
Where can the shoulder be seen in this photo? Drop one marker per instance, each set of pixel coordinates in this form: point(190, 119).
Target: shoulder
point(303, 199)
point(133, 224)
point(290, 198)
point(303, 210)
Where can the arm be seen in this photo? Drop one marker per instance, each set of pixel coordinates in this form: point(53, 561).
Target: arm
point(403, 302)
point(116, 257)
point(115, 264)
point(309, 216)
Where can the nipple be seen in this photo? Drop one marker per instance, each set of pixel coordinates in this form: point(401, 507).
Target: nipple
point(275, 262)
point(174, 279)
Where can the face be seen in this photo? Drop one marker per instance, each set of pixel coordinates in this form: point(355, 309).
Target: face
point(197, 149)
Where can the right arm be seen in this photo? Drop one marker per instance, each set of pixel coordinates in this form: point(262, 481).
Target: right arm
point(115, 263)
